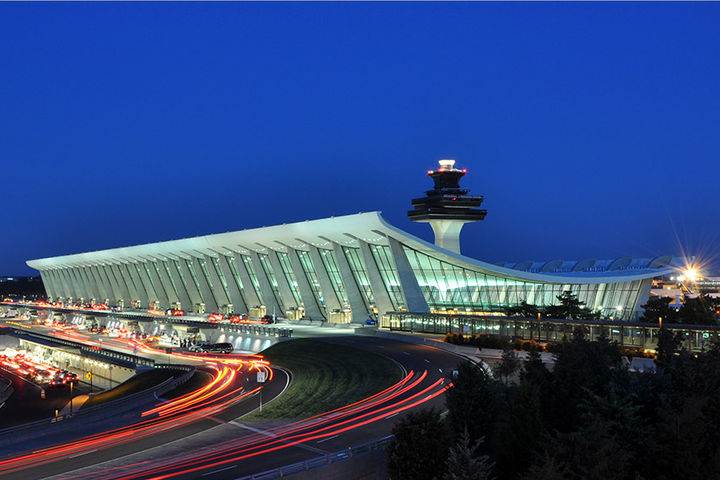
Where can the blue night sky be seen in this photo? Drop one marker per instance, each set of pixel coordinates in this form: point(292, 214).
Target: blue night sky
point(591, 129)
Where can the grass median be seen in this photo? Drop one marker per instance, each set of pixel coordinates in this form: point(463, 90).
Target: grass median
point(325, 376)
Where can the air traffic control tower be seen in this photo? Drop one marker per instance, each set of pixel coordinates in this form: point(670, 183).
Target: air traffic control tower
point(447, 207)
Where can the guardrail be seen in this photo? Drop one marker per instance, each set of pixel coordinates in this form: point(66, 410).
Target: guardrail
point(319, 462)
point(29, 430)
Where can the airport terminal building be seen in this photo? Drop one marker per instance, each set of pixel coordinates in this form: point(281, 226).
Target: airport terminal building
point(346, 269)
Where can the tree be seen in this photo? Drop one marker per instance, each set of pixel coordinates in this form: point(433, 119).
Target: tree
point(659, 307)
point(509, 364)
point(472, 402)
point(698, 311)
point(569, 307)
point(419, 448)
point(464, 463)
point(668, 344)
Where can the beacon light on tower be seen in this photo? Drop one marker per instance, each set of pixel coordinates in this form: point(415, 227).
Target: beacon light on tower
point(447, 207)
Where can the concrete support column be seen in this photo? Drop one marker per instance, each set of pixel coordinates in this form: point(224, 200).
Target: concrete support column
point(74, 287)
point(56, 287)
point(312, 309)
point(447, 233)
point(360, 311)
point(382, 298)
point(122, 284)
point(182, 289)
point(61, 283)
point(47, 284)
point(283, 286)
point(137, 289)
point(101, 286)
point(153, 290)
point(414, 298)
point(167, 283)
point(158, 284)
point(271, 304)
point(251, 296)
point(192, 289)
point(236, 297)
point(207, 292)
point(221, 296)
point(92, 289)
point(331, 299)
point(109, 275)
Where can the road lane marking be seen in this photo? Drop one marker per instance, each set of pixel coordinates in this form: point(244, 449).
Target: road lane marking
point(256, 430)
point(82, 453)
point(426, 360)
point(390, 416)
point(329, 438)
point(220, 470)
point(406, 353)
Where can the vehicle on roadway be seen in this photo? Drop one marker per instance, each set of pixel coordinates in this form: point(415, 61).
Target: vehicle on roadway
point(216, 317)
point(239, 318)
point(212, 348)
point(174, 312)
point(268, 319)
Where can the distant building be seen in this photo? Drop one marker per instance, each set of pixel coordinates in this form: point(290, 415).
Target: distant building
point(347, 269)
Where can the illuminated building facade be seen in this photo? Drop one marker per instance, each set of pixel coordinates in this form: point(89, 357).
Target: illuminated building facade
point(342, 269)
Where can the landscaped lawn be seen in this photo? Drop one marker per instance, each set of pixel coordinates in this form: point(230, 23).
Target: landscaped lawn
point(325, 376)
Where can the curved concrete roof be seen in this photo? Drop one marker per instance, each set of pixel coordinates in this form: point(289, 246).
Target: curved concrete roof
point(370, 227)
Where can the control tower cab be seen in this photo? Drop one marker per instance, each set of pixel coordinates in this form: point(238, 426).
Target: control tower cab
point(447, 207)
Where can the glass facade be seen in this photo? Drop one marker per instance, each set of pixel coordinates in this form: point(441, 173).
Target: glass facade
point(328, 259)
point(386, 265)
point(208, 279)
point(290, 277)
point(449, 284)
point(357, 267)
point(253, 277)
point(449, 287)
point(166, 266)
point(196, 282)
point(265, 262)
point(168, 289)
point(236, 277)
point(221, 276)
point(311, 276)
point(149, 277)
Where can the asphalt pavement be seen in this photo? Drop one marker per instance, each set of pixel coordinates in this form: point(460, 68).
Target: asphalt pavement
point(229, 427)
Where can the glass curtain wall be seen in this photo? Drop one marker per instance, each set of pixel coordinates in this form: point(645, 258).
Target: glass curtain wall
point(265, 262)
point(290, 277)
point(312, 279)
point(328, 259)
point(253, 277)
point(221, 276)
point(449, 287)
point(208, 279)
point(357, 267)
point(166, 288)
point(386, 265)
point(236, 277)
point(190, 267)
point(166, 266)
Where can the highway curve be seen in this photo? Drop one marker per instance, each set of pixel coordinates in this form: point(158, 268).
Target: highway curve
point(219, 446)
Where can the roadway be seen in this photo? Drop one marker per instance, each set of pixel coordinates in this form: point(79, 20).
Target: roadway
point(215, 443)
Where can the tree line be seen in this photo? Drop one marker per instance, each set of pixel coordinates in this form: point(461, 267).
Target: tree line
point(586, 418)
point(700, 310)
